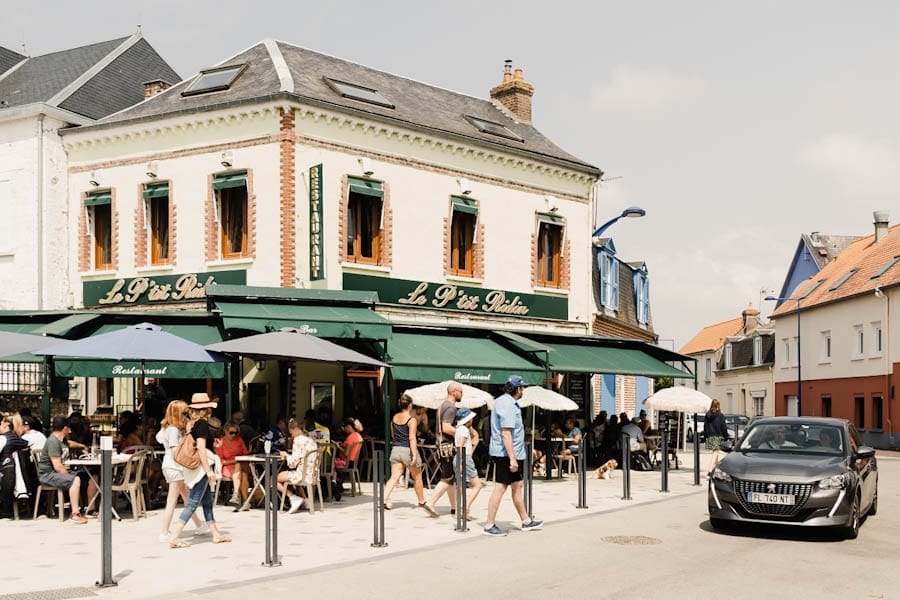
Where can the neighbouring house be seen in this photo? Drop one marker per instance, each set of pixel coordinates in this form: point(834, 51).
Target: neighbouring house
point(814, 251)
point(621, 310)
point(734, 363)
point(39, 96)
point(838, 342)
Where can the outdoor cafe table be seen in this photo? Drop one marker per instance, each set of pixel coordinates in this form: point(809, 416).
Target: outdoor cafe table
point(91, 465)
point(257, 464)
point(557, 445)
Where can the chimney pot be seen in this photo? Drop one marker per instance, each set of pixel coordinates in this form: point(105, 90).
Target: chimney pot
point(514, 93)
point(152, 88)
point(882, 219)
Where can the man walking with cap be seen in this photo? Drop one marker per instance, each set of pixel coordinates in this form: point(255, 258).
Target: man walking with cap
point(507, 450)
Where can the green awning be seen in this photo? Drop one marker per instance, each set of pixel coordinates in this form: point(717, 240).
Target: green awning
point(323, 321)
point(365, 186)
point(551, 219)
point(467, 359)
point(200, 334)
point(231, 180)
point(98, 199)
point(590, 357)
point(62, 327)
point(157, 190)
point(466, 205)
point(20, 327)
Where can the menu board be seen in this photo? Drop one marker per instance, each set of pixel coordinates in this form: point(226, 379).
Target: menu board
point(576, 387)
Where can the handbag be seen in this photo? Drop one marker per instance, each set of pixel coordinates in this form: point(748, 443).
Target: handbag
point(445, 450)
point(186, 453)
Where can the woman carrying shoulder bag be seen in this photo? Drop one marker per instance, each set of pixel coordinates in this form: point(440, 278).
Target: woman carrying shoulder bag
point(170, 436)
point(715, 430)
point(198, 480)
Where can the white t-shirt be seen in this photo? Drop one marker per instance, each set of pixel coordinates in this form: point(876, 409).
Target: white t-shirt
point(464, 438)
point(169, 437)
point(35, 439)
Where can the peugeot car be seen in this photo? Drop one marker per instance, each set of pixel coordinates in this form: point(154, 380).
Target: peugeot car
point(803, 471)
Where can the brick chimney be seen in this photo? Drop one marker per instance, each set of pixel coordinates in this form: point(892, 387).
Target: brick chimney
point(881, 224)
point(514, 93)
point(152, 88)
point(751, 319)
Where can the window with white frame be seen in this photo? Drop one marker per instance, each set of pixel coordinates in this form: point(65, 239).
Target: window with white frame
point(757, 350)
point(859, 341)
point(825, 353)
point(727, 355)
point(609, 280)
point(796, 353)
point(156, 198)
point(98, 205)
point(707, 371)
point(642, 296)
point(786, 355)
point(876, 338)
point(232, 212)
point(759, 403)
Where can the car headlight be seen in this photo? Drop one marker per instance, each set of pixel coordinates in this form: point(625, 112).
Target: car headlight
point(719, 474)
point(833, 482)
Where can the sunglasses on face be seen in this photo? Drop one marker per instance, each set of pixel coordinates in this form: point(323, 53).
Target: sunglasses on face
point(231, 432)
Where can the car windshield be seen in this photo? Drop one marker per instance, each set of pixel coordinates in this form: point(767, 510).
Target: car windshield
point(794, 438)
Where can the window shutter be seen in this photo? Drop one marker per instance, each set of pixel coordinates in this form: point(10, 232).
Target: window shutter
point(602, 259)
point(98, 198)
point(614, 283)
point(231, 180)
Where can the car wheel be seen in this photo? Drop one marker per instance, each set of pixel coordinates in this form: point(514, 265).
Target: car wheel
point(851, 529)
point(873, 508)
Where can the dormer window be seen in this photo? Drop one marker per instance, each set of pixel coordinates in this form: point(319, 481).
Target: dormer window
point(358, 92)
point(213, 80)
point(609, 279)
point(485, 126)
point(641, 296)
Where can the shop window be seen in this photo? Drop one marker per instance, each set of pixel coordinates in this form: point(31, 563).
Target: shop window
point(549, 251)
point(99, 209)
point(859, 412)
point(877, 412)
point(364, 221)
point(157, 201)
point(232, 206)
point(463, 236)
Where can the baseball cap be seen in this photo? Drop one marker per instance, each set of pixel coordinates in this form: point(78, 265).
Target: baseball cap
point(515, 381)
point(464, 415)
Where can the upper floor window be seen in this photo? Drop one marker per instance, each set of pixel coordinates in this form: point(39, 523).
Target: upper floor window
point(99, 209)
point(859, 341)
point(364, 220)
point(609, 278)
point(232, 207)
point(825, 355)
point(156, 197)
point(728, 355)
point(876, 338)
point(463, 223)
point(213, 80)
point(786, 344)
point(707, 370)
point(549, 250)
point(642, 296)
point(757, 350)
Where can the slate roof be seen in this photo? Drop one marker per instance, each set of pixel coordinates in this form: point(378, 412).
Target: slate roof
point(865, 255)
point(711, 337)
point(824, 247)
point(742, 353)
point(120, 84)
point(417, 105)
point(9, 59)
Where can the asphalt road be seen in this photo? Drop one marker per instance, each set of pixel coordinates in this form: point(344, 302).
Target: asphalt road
point(660, 550)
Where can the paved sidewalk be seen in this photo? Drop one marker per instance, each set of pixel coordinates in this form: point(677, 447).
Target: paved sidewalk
point(54, 560)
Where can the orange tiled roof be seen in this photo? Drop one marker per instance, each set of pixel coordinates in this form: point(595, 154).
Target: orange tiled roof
point(713, 336)
point(864, 255)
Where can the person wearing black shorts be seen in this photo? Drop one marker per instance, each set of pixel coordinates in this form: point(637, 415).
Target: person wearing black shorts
point(507, 450)
point(445, 432)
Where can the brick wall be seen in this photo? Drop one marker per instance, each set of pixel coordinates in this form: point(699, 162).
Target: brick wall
point(140, 229)
point(288, 201)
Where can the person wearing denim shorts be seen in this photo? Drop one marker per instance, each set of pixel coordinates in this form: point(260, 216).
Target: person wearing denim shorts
point(507, 449)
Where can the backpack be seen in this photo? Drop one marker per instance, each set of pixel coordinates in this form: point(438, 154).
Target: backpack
point(639, 462)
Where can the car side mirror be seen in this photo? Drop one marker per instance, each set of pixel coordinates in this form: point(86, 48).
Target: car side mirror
point(865, 452)
point(726, 446)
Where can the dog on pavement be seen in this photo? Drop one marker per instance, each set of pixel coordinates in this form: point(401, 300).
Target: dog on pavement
point(606, 470)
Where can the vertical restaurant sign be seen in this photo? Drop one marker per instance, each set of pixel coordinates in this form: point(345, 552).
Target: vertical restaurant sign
point(316, 243)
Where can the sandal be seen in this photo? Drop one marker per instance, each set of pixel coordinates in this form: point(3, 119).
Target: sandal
point(431, 512)
point(178, 544)
point(387, 506)
point(222, 540)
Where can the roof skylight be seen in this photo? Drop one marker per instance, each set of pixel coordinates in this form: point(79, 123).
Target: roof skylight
point(843, 279)
point(884, 269)
point(358, 92)
point(485, 126)
point(213, 80)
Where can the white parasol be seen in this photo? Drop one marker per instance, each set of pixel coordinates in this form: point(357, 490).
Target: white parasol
point(434, 394)
point(679, 398)
point(546, 399)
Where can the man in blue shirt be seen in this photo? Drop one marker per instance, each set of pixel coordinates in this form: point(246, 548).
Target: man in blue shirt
point(507, 450)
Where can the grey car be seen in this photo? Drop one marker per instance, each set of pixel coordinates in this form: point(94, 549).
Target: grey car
point(805, 471)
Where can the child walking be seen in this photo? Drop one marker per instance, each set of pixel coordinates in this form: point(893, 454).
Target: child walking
point(463, 438)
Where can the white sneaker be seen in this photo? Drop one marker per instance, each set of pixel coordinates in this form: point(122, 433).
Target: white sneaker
point(296, 503)
point(202, 530)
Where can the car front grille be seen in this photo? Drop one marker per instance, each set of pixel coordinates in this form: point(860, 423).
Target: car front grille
point(801, 492)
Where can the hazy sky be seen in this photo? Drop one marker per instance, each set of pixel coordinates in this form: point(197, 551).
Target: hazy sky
point(736, 126)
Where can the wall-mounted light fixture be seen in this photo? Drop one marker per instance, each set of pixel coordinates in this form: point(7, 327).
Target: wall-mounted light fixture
point(95, 178)
point(366, 164)
point(227, 159)
point(260, 365)
point(552, 203)
point(465, 186)
point(152, 169)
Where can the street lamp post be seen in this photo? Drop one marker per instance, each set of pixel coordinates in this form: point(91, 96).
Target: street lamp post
point(631, 211)
point(799, 355)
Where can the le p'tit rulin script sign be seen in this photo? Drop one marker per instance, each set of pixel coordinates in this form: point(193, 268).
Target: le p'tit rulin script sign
point(161, 289)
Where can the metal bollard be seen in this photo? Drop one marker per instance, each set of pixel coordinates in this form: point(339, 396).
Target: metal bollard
point(665, 457)
point(378, 499)
point(626, 466)
point(697, 454)
point(461, 507)
point(528, 485)
point(582, 480)
point(106, 578)
point(271, 500)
